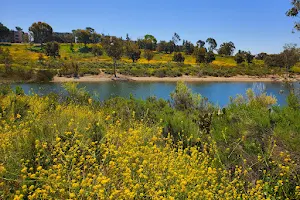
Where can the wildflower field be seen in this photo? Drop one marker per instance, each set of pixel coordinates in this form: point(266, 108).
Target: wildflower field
point(74, 147)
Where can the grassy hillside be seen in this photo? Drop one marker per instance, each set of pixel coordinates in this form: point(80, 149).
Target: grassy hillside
point(31, 64)
point(29, 53)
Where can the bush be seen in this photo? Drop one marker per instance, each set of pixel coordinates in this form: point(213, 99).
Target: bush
point(52, 49)
point(178, 57)
point(97, 50)
point(43, 76)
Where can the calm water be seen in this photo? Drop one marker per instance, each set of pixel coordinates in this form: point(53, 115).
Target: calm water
point(217, 92)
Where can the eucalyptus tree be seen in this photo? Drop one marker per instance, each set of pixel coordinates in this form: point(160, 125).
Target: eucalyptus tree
point(41, 31)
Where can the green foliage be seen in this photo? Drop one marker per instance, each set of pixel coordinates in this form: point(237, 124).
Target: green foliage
point(227, 49)
point(294, 11)
point(178, 57)
point(132, 51)
point(76, 94)
point(148, 42)
point(212, 44)
point(97, 50)
point(52, 49)
point(87, 36)
point(187, 47)
point(261, 56)
point(210, 57)
point(148, 54)
point(239, 57)
point(42, 32)
point(113, 47)
point(167, 47)
point(6, 59)
point(183, 98)
point(4, 32)
point(200, 54)
point(251, 140)
point(200, 44)
point(72, 47)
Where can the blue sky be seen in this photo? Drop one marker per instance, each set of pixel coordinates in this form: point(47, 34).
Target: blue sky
point(253, 25)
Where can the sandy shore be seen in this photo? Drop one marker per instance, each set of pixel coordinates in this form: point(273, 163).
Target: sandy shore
point(105, 78)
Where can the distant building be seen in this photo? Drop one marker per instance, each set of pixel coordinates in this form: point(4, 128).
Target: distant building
point(17, 36)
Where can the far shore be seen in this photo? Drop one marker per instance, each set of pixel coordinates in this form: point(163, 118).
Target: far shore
point(106, 78)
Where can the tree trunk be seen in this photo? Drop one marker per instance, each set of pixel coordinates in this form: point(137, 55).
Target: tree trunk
point(115, 72)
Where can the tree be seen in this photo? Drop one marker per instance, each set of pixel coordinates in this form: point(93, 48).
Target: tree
point(210, 57)
point(274, 60)
point(41, 32)
point(52, 49)
point(249, 57)
point(83, 36)
point(227, 49)
point(293, 12)
point(243, 56)
point(97, 50)
point(178, 57)
point(162, 46)
point(187, 47)
point(261, 56)
point(6, 59)
point(148, 42)
point(176, 39)
point(199, 54)
point(212, 44)
point(132, 51)
point(18, 28)
point(290, 55)
point(148, 54)
point(4, 32)
point(200, 43)
point(171, 46)
point(239, 57)
point(114, 49)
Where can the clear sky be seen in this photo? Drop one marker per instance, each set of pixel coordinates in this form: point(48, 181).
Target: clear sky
point(255, 25)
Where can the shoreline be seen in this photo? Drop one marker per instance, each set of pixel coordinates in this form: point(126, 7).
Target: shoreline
point(109, 78)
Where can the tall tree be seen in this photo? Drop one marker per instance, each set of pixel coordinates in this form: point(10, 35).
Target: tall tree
point(4, 32)
point(148, 42)
point(200, 43)
point(83, 36)
point(176, 39)
point(290, 55)
point(227, 49)
point(212, 44)
point(41, 32)
point(162, 46)
point(114, 49)
point(199, 54)
point(187, 47)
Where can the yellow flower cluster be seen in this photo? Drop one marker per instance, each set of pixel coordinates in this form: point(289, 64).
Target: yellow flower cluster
point(72, 162)
point(133, 164)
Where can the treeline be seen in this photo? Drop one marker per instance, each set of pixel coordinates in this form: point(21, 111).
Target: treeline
point(116, 47)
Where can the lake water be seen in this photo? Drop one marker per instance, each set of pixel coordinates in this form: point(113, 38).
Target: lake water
point(217, 92)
